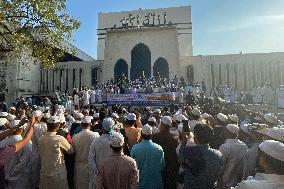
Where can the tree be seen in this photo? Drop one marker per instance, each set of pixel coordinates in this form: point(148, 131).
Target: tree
point(41, 28)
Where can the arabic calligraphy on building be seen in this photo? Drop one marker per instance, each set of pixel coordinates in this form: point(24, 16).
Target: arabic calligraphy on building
point(143, 20)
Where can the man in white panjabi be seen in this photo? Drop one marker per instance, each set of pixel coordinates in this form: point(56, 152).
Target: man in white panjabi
point(40, 129)
point(100, 150)
point(233, 153)
point(86, 97)
point(53, 172)
point(93, 96)
point(270, 162)
point(81, 143)
point(17, 167)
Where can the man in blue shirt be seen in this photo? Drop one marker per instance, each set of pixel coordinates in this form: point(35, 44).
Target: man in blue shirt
point(150, 160)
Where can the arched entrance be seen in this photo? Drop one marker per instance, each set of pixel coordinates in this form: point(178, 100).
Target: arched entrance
point(140, 61)
point(120, 67)
point(161, 68)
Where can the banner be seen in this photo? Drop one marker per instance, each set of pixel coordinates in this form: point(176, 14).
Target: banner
point(154, 99)
point(280, 97)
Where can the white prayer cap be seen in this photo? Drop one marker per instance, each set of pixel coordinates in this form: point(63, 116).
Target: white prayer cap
point(276, 133)
point(116, 139)
point(233, 117)
point(205, 116)
point(3, 114)
point(257, 118)
point(12, 108)
point(271, 118)
point(147, 130)
point(96, 115)
point(14, 123)
point(11, 117)
point(158, 111)
point(181, 117)
point(37, 113)
point(46, 108)
point(70, 118)
point(108, 124)
point(196, 112)
point(180, 127)
point(114, 115)
point(62, 119)
point(222, 117)
point(3, 121)
point(244, 128)
point(167, 120)
point(233, 128)
point(46, 115)
point(87, 119)
point(123, 109)
point(273, 148)
point(53, 119)
point(152, 119)
point(131, 117)
point(79, 116)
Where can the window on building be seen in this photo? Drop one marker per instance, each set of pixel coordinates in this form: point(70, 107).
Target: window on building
point(53, 80)
point(67, 80)
point(212, 75)
point(94, 76)
point(47, 80)
point(236, 75)
point(74, 78)
point(80, 77)
point(60, 80)
point(228, 74)
point(220, 75)
point(253, 75)
point(245, 77)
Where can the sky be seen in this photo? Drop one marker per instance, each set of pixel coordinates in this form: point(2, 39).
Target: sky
point(219, 26)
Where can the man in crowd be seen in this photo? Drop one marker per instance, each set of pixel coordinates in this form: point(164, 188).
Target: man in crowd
point(133, 134)
point(202, 164)
point(81, 143)
point(51, 148)
point(99, 150)
point(150, 160)
point(233, 152)
point(117, 171)
point(169, 144)
point(270, 163)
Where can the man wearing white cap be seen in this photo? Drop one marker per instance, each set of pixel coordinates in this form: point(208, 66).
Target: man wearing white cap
point(233, 118)
point(218, 138)
point(52, 148)
point(233, 152)
point(117, 170)
point(153, 123)
point(100, 150)
point(81, 143)
point(150, 160)
point(75, 128)
point(270, 163)
point(117, 125)
point(169, 143)
point(276, 133)
point(255, 137)
point(133, 134)
point(158, 115)
point(3, 124)
point(17, 167)
point(40, 129)
point(3, 114)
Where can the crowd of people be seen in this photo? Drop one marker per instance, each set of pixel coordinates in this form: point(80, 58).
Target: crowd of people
point(202, 143)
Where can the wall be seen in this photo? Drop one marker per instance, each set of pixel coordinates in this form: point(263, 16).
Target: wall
point(162, 42)
point(244, 71)
point(180, 17)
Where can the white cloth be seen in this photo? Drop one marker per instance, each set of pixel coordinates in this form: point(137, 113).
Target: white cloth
point(53, 170)
point(93, 96)
point(39, 130)
point(18, 166)
point(76, 99)
point(263, 181)
point(81, 143)
point(86, 98)
point(99, 151)
point(69, 106)
point(233, 152)
point(99, 96)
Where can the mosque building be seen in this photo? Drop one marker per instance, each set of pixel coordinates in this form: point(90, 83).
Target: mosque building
point(153, 42)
